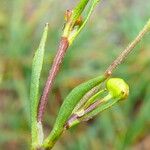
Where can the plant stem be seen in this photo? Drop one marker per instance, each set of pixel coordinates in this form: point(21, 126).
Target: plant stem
point(63, 46)
point(126, 51)
point(52, 75)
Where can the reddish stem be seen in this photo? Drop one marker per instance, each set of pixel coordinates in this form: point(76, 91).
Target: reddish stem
point(63, 45)
point(76, 116)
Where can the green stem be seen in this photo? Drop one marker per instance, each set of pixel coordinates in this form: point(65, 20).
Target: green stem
point(52, 139)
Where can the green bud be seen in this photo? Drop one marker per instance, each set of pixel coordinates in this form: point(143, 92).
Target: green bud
point(118, 88)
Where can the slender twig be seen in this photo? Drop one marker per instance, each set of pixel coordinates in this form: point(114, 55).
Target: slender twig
point(126, 51)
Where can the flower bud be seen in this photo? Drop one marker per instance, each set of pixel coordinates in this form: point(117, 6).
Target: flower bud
point(118, 88)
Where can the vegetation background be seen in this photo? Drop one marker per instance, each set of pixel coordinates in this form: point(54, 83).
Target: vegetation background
point(112, 26)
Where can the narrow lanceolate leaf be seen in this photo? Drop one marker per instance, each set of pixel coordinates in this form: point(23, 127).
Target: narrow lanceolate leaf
point(68, 106)
point(34, 90)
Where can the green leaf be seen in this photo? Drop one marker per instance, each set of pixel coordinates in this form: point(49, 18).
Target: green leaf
point(34, 89)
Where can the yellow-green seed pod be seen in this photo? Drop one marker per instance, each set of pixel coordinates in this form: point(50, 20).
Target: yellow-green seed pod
point(118, 88)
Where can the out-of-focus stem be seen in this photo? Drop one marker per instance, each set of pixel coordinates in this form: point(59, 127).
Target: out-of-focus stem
point(129, 48)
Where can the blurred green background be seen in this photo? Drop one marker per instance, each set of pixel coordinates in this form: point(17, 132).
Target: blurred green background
point(111, 27)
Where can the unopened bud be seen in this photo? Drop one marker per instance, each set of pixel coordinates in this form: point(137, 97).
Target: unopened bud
point(118, 88)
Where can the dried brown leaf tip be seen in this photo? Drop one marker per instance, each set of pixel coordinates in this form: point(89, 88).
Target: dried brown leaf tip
point(68, 15)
